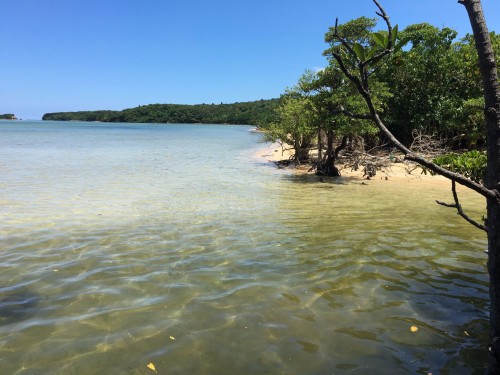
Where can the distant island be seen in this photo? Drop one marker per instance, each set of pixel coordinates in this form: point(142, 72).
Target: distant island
point(245, 113)
point(8, 116)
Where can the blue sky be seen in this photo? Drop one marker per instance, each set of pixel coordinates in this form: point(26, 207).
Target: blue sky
point(70, 55)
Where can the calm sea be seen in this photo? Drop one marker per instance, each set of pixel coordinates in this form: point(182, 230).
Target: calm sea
point(128, 245)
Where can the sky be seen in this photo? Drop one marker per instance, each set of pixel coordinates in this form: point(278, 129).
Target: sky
point(75, 55)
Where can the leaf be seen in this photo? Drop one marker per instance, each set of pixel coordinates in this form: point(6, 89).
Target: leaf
point(386, 41)
point(359, 50)
point(378, 38)
point(414, 329)
point(471, 164)
point(394, 35)
point(151, 367)
point(371, 52)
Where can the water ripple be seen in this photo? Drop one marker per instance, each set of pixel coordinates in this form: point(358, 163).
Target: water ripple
point(116, 257)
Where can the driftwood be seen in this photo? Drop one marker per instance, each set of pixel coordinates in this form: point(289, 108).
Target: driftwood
point(371, 161)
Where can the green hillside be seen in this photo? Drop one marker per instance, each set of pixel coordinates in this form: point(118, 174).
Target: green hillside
point(251, 113)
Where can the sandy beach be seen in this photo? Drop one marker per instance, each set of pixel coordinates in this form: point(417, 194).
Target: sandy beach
point(396, 172)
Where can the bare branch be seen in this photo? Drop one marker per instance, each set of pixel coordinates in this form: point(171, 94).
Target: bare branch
point(461, 211)
point(449, 205)
point(459, 208)
point(379, 56)
point(427, 145)
point(348, 74)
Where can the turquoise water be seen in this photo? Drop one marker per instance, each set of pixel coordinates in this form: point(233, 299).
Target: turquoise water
point(123, 245)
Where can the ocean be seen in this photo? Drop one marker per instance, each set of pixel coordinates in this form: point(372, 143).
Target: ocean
point(172, 249)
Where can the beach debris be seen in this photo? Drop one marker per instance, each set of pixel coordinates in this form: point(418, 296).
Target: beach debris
point(413, 329)
point(172, 338)
point(370, 170)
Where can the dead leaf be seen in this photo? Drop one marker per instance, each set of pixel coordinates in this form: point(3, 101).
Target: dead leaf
point(414, 329)
point(152, 367)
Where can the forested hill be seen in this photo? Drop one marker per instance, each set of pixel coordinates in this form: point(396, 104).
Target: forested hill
point(8, 116)
point(251, 113)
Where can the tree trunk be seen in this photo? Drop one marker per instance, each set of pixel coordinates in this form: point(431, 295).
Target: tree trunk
point(489, 73)
point(342, 146)
point(328, 167)
point(320, 153)
point(301, 149)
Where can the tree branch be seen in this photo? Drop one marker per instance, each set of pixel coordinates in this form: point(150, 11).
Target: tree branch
point(459, 208)
point(389, 47)
point(379, 56)
point(449, 205)
point(342, 41)
point(385, 17)
point(455, 177)
point(347, 73)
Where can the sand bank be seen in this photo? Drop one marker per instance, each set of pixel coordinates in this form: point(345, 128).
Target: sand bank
point(396, 172)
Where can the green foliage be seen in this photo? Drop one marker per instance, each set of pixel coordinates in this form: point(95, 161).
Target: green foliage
point(470, 164)
point(313, 104)
point(436, 84)
point(357, 31)
point(360, 51)
point(342, 93)
point(380, 39)
point(294, 124)
point(332, 91)
point(358, 34)
point(249, 113)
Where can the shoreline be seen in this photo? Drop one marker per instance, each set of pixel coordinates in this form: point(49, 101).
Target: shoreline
point(396, 173)
point(395, 179)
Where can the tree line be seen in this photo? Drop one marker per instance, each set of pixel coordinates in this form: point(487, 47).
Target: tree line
point(247, 113)
point(431, 84)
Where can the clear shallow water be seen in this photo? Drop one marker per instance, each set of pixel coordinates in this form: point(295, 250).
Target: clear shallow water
point(123, 245)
